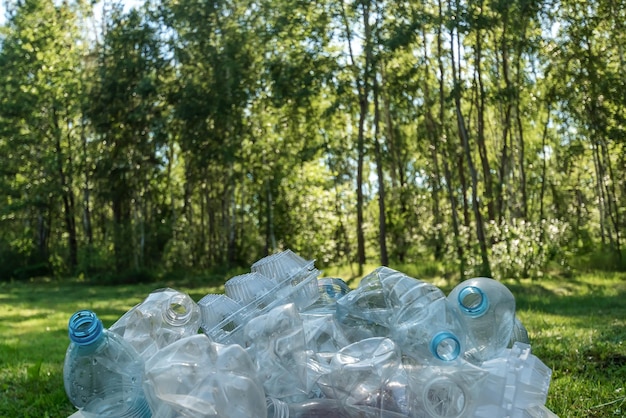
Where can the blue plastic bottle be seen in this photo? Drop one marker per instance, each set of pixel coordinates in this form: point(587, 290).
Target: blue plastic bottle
point(102, 373)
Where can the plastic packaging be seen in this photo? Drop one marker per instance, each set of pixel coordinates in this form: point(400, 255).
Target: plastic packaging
point(248, 287)
point(487, 310)
point(413, 313)
point(294, 276)
point(519, 334)
point(359, 371)
point(323, 408)
point(102, 373)
point(195, 377)
point(276, 344)
point(443, 391)
point(517, 384)
point(365, 311)
point(165, 316)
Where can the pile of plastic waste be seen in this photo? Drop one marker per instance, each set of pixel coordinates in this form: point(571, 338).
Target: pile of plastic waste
point(282, 342)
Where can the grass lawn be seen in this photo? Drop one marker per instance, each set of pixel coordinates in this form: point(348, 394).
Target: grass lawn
point(577, 327)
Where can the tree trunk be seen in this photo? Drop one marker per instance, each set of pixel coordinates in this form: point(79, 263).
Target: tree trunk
point(382, 219)
point(463, 134)
point(446, 154)
point(480, 128)
point(362, 86)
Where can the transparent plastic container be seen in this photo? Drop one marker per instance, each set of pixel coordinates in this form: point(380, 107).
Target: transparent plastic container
point(519, 334)
point(248, 287)
point(517, 384)
point(415, 314)
point(295, 277)
point(359, 371)
point(276, 344)
point(195, 377)
point(443, 391)
point(293, 281)
point(365, 312)
point(222, 318)
point(165, 316)
point(102, 373)
point(487, 309)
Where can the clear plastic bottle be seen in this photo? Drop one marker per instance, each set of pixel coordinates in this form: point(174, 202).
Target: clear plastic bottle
point(520, 334)
point(102, 373)
point(487, 309)
point(359, 371)
point(197, 378)
point(275, 341)
point(314, 408)
point(365, 311)
point(165, 316)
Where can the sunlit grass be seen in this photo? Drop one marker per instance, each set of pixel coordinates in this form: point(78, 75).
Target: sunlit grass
point(577, 327)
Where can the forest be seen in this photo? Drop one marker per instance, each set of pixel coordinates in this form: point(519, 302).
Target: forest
point(481, 137)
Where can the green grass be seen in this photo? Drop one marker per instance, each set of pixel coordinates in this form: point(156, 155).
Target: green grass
point(577, 327)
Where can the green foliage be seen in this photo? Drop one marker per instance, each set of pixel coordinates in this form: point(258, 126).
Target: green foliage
point(197, 134)
point(525, 249)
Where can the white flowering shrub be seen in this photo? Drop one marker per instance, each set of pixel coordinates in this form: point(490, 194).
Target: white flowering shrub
point(523, 249)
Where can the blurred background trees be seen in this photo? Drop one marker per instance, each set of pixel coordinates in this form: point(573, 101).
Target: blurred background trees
point(484, 137)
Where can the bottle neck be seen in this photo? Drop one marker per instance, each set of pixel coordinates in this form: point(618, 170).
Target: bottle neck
point(85, 328)
point(178, 310)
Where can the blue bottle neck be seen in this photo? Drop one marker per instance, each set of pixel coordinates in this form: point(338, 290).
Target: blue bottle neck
point(85, 328)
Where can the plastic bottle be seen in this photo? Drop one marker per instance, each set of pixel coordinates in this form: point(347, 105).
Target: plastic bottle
point(422, 323)
point(365, 312)
point(165, 316)
point(359, 371)
point(487, 310)
point(197, 378)
point(314, 408)
point(102, 373)
point(323, 408)
point(519, 334)
point(276, 344)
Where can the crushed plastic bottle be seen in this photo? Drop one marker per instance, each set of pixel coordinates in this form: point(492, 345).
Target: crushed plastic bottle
point(415, 314)
point(359, 371)
point(443, 391)
point(487, 310)
point(165, 316)
point(102, 373)
point(283, 343)
point(276, 344)
point(197, 378)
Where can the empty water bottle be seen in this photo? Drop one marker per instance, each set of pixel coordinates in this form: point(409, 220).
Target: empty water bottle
point(276, 344)
point(197, 378)
point(519, 334)
point(418, 317)
point(165, 316)
point(365, 312)
point(359, 371)
point(102, 373)
point(487, 309)
point(324, 408)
